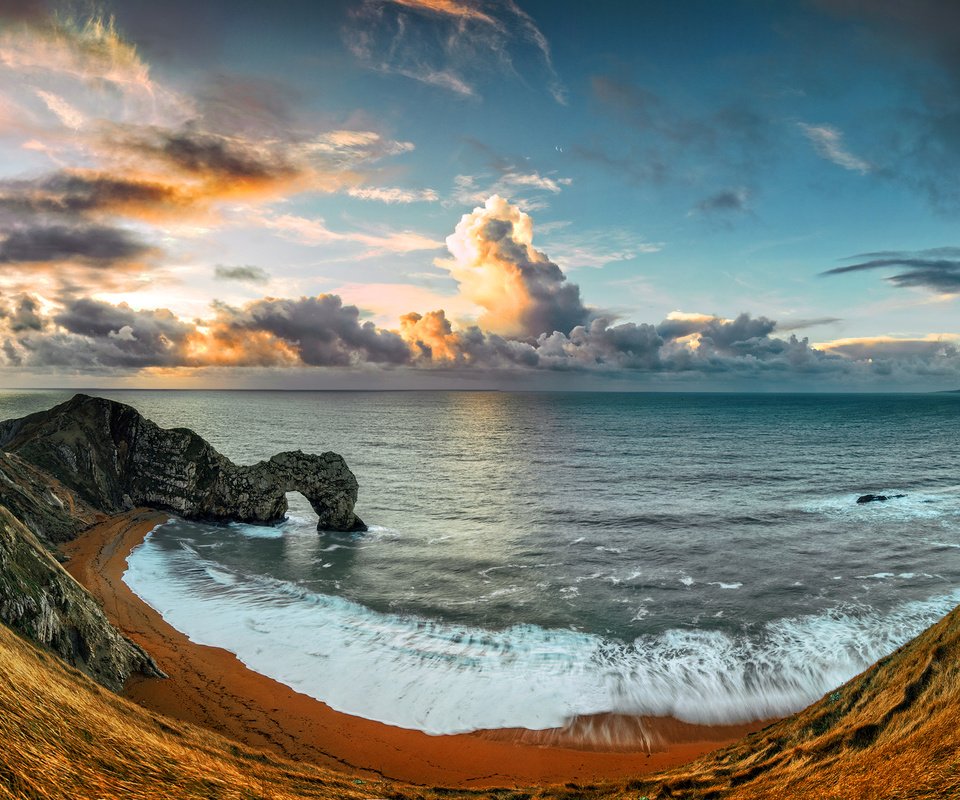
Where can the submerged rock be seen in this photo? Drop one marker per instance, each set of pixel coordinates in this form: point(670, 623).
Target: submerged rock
point(115, 459)
point(878, 498)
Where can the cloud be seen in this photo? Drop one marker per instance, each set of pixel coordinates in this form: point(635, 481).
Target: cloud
point(22, 314)
point(727, 201)
point(65, 112)
point(929, 348)
point(450, 8)
point(532, 319)
point(449, 44)
point(87, 53)
point(92, 245)
point(937, 269)
point(597, 248)
point(828, 142)
point(321, 330)
point(799, 324)
point(393, 194)
point(304, 230)
point(243, 274)
point(76, 193)
point(521, 290)
point(658, 138)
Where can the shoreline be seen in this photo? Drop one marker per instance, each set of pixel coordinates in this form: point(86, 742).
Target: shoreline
point(211, 687)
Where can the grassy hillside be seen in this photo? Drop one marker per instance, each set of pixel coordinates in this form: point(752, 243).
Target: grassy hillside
point(890, 733)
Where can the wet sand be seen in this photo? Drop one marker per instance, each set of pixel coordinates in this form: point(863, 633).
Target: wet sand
point(209, 686)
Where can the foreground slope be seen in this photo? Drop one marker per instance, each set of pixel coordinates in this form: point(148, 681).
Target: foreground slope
point(890, 733)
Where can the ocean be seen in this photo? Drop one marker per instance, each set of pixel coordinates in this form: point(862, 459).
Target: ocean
point(537, 556)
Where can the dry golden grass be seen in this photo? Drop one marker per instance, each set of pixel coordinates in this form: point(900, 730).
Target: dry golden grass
point(893, 732)
point(63, 736)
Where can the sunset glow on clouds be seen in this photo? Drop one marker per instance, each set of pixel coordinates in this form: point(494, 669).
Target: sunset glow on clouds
point(170, 218)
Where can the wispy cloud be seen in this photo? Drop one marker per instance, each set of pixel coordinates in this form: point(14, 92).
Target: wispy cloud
point(314, 231)
point(936, 269)
point(450, 8)
point(726, 201)
point(828, 142)
point(449, 44)
point(242, 274)
point(596, 249)
point(392, 194)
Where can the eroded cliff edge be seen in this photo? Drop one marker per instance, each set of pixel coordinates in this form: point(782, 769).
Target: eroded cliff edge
point(65, 469)
point(116, 459)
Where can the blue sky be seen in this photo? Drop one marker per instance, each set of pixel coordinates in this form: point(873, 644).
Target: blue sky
point(641, 195)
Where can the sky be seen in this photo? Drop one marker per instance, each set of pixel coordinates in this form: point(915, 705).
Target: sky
point(406, 194)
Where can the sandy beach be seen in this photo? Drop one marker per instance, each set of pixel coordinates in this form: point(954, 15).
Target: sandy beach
point(211, 687)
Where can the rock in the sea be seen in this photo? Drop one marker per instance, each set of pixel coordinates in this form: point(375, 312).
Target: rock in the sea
point(878, 498)
point(115, 458)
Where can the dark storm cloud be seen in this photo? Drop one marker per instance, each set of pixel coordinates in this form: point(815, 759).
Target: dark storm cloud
point(93, 245)
point(937, 269)
point(243, 274)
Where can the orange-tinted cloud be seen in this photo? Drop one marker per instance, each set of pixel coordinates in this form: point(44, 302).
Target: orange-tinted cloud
point(522, 291)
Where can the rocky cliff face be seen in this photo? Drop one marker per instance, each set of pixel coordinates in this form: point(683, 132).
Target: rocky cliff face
point(115, 459)
point(65, 469)
point(40, 600)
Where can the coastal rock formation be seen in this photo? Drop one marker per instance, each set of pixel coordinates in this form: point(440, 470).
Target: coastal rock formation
point(878, 498)
point(115, 459)
point(40, 600)
point(65, 469)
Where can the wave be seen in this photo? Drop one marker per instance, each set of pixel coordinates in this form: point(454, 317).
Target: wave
point(441, 677)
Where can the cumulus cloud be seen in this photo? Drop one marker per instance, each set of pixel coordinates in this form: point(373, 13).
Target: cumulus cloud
point(322, 330)
point(22, 314)
point(523, 293)
point(449, 44)
point(531, 318)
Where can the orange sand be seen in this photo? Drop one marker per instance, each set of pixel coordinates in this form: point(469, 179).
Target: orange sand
point(209, 686)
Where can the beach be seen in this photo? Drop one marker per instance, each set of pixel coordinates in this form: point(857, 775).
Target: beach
point(210, 687)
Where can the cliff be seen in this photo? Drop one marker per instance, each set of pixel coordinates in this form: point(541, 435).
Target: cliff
point(64, 469)
point(115, 459)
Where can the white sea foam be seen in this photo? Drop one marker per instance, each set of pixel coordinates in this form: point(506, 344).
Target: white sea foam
point(723, 585)
point(444, 678)
point(914, 505)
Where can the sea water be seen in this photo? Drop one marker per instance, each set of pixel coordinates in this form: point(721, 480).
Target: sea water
point(534, 557)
